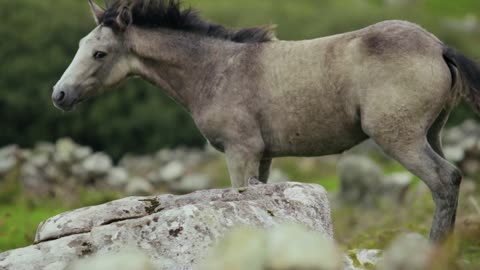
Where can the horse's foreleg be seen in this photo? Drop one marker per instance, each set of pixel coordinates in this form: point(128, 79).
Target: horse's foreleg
point(243, 164)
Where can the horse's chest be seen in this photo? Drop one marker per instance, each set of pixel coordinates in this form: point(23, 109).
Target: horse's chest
point(213, 127)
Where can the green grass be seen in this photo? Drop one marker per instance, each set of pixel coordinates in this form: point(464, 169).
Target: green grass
point(20, 215)
point(18, 222)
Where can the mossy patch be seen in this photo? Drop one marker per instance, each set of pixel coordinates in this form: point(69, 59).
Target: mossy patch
point(87, 249)
point(154, 206)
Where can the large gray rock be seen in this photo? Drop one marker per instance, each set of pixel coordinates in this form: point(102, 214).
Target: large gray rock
point(174, 231)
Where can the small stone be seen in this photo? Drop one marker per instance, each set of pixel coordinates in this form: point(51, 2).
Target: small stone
point(138, 165)
point(409, 251)
point(98, 164)
point(7, 164)
point(117, 178)
point(8, 151)
point(469, 142)
point(191, 183)
point(470, 127)
point(164, 156)
point(367, 257)
point(39, 160)
point(171, 172)
point(31, 178)
point(81, 153)
point(54, 174)
point(396, 186)
point(64, 151)
point(194, 158)
point(79, 173)
point(139, 187)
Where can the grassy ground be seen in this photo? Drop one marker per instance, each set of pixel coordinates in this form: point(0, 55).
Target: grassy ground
point(20, 214)
point(355, 227)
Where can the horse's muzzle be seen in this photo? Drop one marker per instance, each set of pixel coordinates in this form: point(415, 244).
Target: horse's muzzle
point(64, 98)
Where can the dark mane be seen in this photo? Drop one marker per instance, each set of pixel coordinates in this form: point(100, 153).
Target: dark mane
point(169, 14)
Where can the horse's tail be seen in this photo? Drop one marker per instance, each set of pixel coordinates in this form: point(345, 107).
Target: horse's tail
point(465, 76)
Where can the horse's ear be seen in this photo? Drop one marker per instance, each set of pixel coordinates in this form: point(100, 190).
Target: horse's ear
point(97, 11)
point(124, 18)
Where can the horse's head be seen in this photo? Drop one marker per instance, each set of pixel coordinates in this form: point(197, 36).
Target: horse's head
point(102, 60)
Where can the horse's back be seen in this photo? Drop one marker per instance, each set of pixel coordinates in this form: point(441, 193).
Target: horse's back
point(317, 92)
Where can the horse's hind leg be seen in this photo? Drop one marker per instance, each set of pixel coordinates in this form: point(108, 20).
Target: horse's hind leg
point(421, 153)
point(434, 135)
point(441, 177)
point(264, 171)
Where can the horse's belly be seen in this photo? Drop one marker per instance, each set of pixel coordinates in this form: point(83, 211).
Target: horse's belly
point(314, 138)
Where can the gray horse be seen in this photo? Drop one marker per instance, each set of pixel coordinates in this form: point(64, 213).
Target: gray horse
point(256, 98)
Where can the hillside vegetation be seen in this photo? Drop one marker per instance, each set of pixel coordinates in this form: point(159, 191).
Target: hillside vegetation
point(41, 37)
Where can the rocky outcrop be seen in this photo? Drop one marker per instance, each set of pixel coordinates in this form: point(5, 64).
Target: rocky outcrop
point(175, 232)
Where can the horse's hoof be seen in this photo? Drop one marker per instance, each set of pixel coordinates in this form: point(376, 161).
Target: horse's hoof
point(254, 182)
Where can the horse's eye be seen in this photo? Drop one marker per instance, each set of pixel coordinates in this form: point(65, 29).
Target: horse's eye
point(99, 55)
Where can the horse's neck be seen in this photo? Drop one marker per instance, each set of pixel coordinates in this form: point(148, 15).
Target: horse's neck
point(180, 63)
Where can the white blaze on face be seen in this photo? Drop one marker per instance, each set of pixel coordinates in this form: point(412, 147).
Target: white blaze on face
point(100, 62)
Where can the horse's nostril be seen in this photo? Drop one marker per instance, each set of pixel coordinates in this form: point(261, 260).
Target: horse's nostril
point(59, 97)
